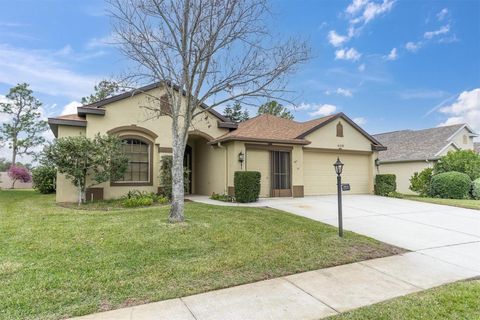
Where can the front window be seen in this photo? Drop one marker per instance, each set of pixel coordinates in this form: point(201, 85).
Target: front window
point(138, 154)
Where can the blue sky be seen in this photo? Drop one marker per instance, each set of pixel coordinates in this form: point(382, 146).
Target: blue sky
point(389, 64)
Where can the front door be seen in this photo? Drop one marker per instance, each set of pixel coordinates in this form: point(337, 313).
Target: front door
point(281, 174)
point(187, 164)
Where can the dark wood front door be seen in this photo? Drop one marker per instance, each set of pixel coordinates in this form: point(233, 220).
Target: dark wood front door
point(281, 174)
point(187, 164)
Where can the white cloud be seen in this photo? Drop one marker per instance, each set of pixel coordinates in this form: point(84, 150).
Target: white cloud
point(360, 120)
point(43, 71)
point(368, 10)
point(442, 14)
point(71, 108)
point(323, 110)
point(361, 67)
point(335, 39)
point(392, 55)
point(355, 6)
point(413, 46)
point(442, 30)
point(466, 109)
point(347, 54)
point(340, 91)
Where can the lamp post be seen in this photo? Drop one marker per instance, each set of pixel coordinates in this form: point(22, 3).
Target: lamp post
point(338, 170)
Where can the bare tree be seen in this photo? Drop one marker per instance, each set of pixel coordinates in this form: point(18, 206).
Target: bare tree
point(203, 51)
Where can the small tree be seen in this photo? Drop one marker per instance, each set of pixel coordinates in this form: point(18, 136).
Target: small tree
point(17, 173)
point(87, 162)
point(464, 161)
point(276, 109)
point(23, 130)
point(236, 113)
point(103, 90)
point(420, 182)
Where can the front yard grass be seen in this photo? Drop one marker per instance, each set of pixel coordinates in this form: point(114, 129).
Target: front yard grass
point(458, 300)
point(462, 203)
point(56, 262)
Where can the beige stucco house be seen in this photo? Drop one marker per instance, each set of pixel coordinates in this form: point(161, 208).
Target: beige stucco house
point(294, 158)
point(410, 151)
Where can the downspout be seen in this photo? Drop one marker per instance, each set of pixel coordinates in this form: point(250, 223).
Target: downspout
point(219, 144)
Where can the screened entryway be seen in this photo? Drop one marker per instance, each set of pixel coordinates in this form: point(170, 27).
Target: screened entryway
point(281, 174)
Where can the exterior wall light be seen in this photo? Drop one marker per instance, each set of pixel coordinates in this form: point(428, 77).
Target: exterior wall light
point(241, 158)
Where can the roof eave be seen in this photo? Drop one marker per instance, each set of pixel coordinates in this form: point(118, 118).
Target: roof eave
point(279, 141)
point(82, 111)
point(53, 123)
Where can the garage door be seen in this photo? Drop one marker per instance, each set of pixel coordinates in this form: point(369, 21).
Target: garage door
point(320, 178)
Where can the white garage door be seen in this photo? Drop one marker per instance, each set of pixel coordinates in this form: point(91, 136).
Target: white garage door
point(320, 178)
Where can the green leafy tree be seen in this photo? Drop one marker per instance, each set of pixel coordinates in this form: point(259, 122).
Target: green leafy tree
point(87, 162)
point(465, 161)
point(103, 90)
point(420, 182)
point(235, 113)
point(43, 178)
point(23, 130)
point(276, 109)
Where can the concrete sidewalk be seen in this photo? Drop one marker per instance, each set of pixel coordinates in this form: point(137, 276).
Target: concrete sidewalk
point(445, 240)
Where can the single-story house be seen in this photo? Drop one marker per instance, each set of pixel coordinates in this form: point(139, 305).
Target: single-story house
point(294, 158)
point(410, 151)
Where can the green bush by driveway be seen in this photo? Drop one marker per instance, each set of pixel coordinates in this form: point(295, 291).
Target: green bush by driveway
point(57, 262)
point(385, 184)
point(451, 185)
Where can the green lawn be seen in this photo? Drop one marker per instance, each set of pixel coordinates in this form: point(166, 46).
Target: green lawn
point(57, 262)
point(459, 300)
point(463, 203)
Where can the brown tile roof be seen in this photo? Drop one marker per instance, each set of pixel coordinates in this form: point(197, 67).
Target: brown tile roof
point(267, 127)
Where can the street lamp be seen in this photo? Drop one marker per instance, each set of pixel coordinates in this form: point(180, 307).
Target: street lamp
point(338, 170)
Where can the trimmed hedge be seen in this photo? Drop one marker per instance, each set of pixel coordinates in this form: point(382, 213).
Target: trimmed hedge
point(451, 185)
point(476, 189)
point(247, 186)
point(385, 184)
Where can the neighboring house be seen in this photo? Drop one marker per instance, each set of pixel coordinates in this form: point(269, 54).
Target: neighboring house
point(411, 151)
point(476, 146)
point(294, 158)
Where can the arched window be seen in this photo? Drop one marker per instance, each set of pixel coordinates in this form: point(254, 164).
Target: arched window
point(339, 130)
point(139, 170)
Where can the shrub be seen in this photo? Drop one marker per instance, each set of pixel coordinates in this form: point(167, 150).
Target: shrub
point(136, 196)
point(451, 185)
point(247, 186)
point(395, 194)
point(476, 189)
point(385, 183)
point(464, 161)
point(166, 176)
point(420, 182)
point(44, 179)
point(222, 197)
point(137, 202)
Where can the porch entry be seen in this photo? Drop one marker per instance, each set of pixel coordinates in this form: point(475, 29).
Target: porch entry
point(281, 177)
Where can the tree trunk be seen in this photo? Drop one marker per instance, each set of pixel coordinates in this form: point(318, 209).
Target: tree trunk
point(14, 155)
point(178, 189)
point(13, 183)
point(81, 195)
